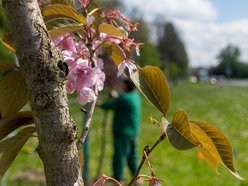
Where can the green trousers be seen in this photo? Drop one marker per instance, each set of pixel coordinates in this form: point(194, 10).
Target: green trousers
point(125, 152)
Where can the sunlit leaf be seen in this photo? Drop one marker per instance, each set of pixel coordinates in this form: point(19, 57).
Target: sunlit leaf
point(11, 148)
point(7, 41)
point(213, 163)
point(9, 124)
point(111, 30)
point(56, 11)
point(57, 23)
point(154, 121)
point(179, 132)
point(223, 147)
point(13, 95)
point(116, 53)
point(206, 147)
point(6, 66)
point(153, 85)
point(92, 12)
point(64, 30)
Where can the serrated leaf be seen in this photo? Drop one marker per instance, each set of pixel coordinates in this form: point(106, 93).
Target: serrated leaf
point(213, 163)
point(206, 147)
point(9, 124)
point(223, 153)
point(179, 132)
point(7, 41)
point(153, 85)
point(58, 23)
point(56, 11)
point(57, 32)
point(6, 66)
point(13, 95)
point(116, 53)
point(177, 140)
point(15, 144)
point(111, 30)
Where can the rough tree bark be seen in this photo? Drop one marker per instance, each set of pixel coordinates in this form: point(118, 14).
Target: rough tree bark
point(44, 73)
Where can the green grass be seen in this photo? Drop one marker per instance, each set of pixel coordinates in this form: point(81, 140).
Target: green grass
point(221, 105)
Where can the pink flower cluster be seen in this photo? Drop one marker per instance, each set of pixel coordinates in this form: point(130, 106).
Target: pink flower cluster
point(112, 15)
point(85, 76)
point(122, 23)
point(82, 50)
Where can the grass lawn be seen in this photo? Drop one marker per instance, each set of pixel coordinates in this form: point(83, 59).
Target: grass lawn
point(226, 107)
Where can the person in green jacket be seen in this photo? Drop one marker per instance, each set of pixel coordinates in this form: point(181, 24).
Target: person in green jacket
point(126, 125)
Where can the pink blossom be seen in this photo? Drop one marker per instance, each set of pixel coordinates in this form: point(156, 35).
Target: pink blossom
point(126, 64)
point(100, 78)
point(154, 181)
point(113, 14)
point(65, 42)
point(84, 3)
point(109, 38)
point(86, 95)
point(128, 44)
point(86, 81)
point(81, 76)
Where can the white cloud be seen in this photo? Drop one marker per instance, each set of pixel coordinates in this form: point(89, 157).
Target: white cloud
point(205, 40)
point(183, 9)
point(196, 22)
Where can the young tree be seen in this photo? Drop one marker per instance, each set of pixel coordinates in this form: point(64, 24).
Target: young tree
point(41, 65)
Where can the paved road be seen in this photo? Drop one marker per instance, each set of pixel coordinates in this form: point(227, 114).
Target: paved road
point(236, 82)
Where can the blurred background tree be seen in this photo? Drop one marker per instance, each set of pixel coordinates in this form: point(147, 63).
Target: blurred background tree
point(172, 51)
point(149, 54)
point(230, 63)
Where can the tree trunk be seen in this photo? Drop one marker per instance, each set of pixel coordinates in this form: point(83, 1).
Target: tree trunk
point(44, 72)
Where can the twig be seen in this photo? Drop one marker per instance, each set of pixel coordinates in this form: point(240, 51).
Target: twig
point(149, 165)
point(105, 178)
point(147, 150)
point(84, 134)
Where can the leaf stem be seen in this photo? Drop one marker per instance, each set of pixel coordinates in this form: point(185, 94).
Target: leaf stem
point(147, 151)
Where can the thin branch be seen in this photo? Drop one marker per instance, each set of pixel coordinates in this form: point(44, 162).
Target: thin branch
point(105, 178)
point(147, 150)
point(87, 124)
point(149, 165)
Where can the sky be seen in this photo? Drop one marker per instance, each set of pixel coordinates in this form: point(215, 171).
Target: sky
point(205, 26)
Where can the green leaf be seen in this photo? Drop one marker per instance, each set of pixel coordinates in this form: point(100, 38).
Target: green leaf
point(11, 147)
point(13, 95)
point(116, 53)
point(222, 150)
point(179, 132)
point(111, 30)
point(9, 124)
point(153, 85)
point(56, 11)
point(6, 66)
point(7, 41)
